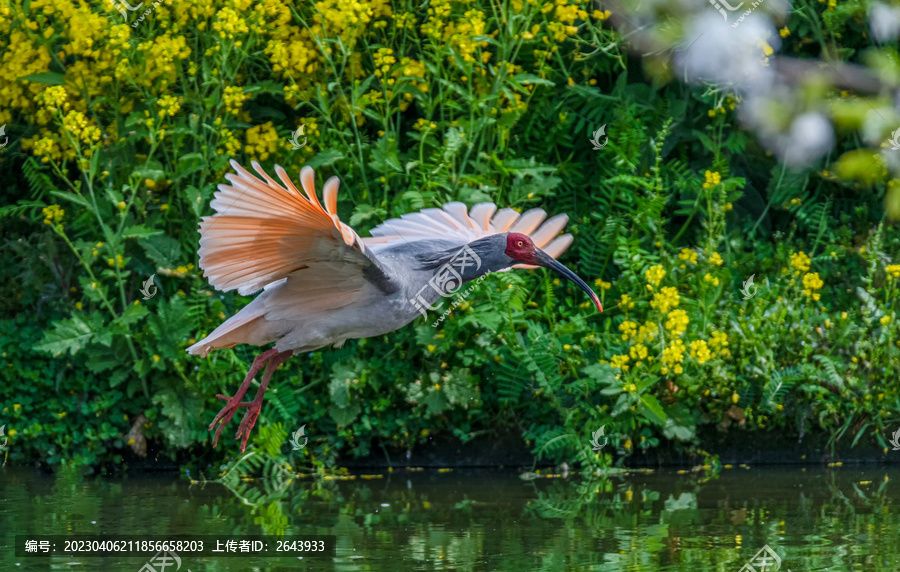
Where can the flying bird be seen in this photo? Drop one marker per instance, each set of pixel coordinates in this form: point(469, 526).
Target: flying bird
point(323, 284)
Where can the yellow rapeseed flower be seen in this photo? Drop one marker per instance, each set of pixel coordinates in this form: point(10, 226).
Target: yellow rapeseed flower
point(655, 274)
point(628, 329)
point(673, 355)
point(712, 178)
point(53, 214)
point(665, 299)
point(800, 261)
point(811, 283)
point(688, 255)
point(677, 322)
point(619, 361)
point(700, 351)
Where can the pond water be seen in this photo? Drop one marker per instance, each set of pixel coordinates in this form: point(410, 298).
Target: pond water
point(836, 519)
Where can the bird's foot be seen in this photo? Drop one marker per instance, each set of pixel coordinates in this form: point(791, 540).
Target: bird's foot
point(224, 416)
point(249, 420)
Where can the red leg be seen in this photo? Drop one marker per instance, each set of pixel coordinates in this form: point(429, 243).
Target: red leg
point(255, 406)
point(230, 408)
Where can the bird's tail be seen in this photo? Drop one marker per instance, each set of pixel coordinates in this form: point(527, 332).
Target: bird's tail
point(245, 327)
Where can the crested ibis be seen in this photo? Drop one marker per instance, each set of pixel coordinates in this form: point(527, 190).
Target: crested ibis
point(323, 284)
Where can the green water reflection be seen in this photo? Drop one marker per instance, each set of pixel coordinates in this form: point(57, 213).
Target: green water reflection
point(843, 519)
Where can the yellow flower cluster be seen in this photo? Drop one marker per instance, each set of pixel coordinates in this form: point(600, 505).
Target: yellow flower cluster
point(228, 143)
point(228, 23)
point(349, 18)
point(294, 56)
point(53, 214)
point(688, 255)
point(78, 125)
point(561, 32)
point(162, 56)
point(719, 342)
point(54, 98)
point(462, 33)
point(677, 322)
point(638, 352)
point(234, 98)
point(700, 351)
point(811, 283)
point(628, 329)
point(619, 361)
point(665, 299)
point(118, 261)
point(262, 141)
point(625, 302)
point(655, 274)
point(672, 357)
point(711, 279)
point(423, 124)
point(893, 271)
point(169, 105)
point(800, 261)
point(712, 179)
point(716, 259)
point(384, 59)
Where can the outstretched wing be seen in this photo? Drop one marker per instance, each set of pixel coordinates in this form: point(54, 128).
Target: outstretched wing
point(452, 222)
point(263, 232)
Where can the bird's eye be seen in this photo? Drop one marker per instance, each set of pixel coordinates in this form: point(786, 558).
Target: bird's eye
point(520, 243)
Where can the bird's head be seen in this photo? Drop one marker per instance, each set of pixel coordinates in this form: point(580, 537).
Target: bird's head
point(521, 248)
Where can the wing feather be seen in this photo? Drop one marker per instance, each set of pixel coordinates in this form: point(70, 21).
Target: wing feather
point(453, 223)
point(263, 230)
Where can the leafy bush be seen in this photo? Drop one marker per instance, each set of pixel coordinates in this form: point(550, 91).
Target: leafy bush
point(122, 132)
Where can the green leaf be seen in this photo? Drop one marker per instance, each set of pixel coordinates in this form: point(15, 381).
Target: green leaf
point(526, 78)
point(139, 231)
point(325, 158)
point(652, 409)
point(189, 164)
point(71, 335)
point(344, 416)
point(47, 78)
point(71, 197)
point(163, 250)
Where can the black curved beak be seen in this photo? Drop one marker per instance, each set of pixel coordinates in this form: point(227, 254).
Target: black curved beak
point(543, 259)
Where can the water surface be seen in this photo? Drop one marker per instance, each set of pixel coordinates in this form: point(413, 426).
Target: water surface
point(837, 519)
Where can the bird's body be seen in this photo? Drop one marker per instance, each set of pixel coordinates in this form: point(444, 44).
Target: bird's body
point(323, 284)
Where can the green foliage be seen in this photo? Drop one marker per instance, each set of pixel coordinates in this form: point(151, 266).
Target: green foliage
point(669, 220)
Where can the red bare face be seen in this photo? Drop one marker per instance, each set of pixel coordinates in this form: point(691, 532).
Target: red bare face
point(520, 247)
